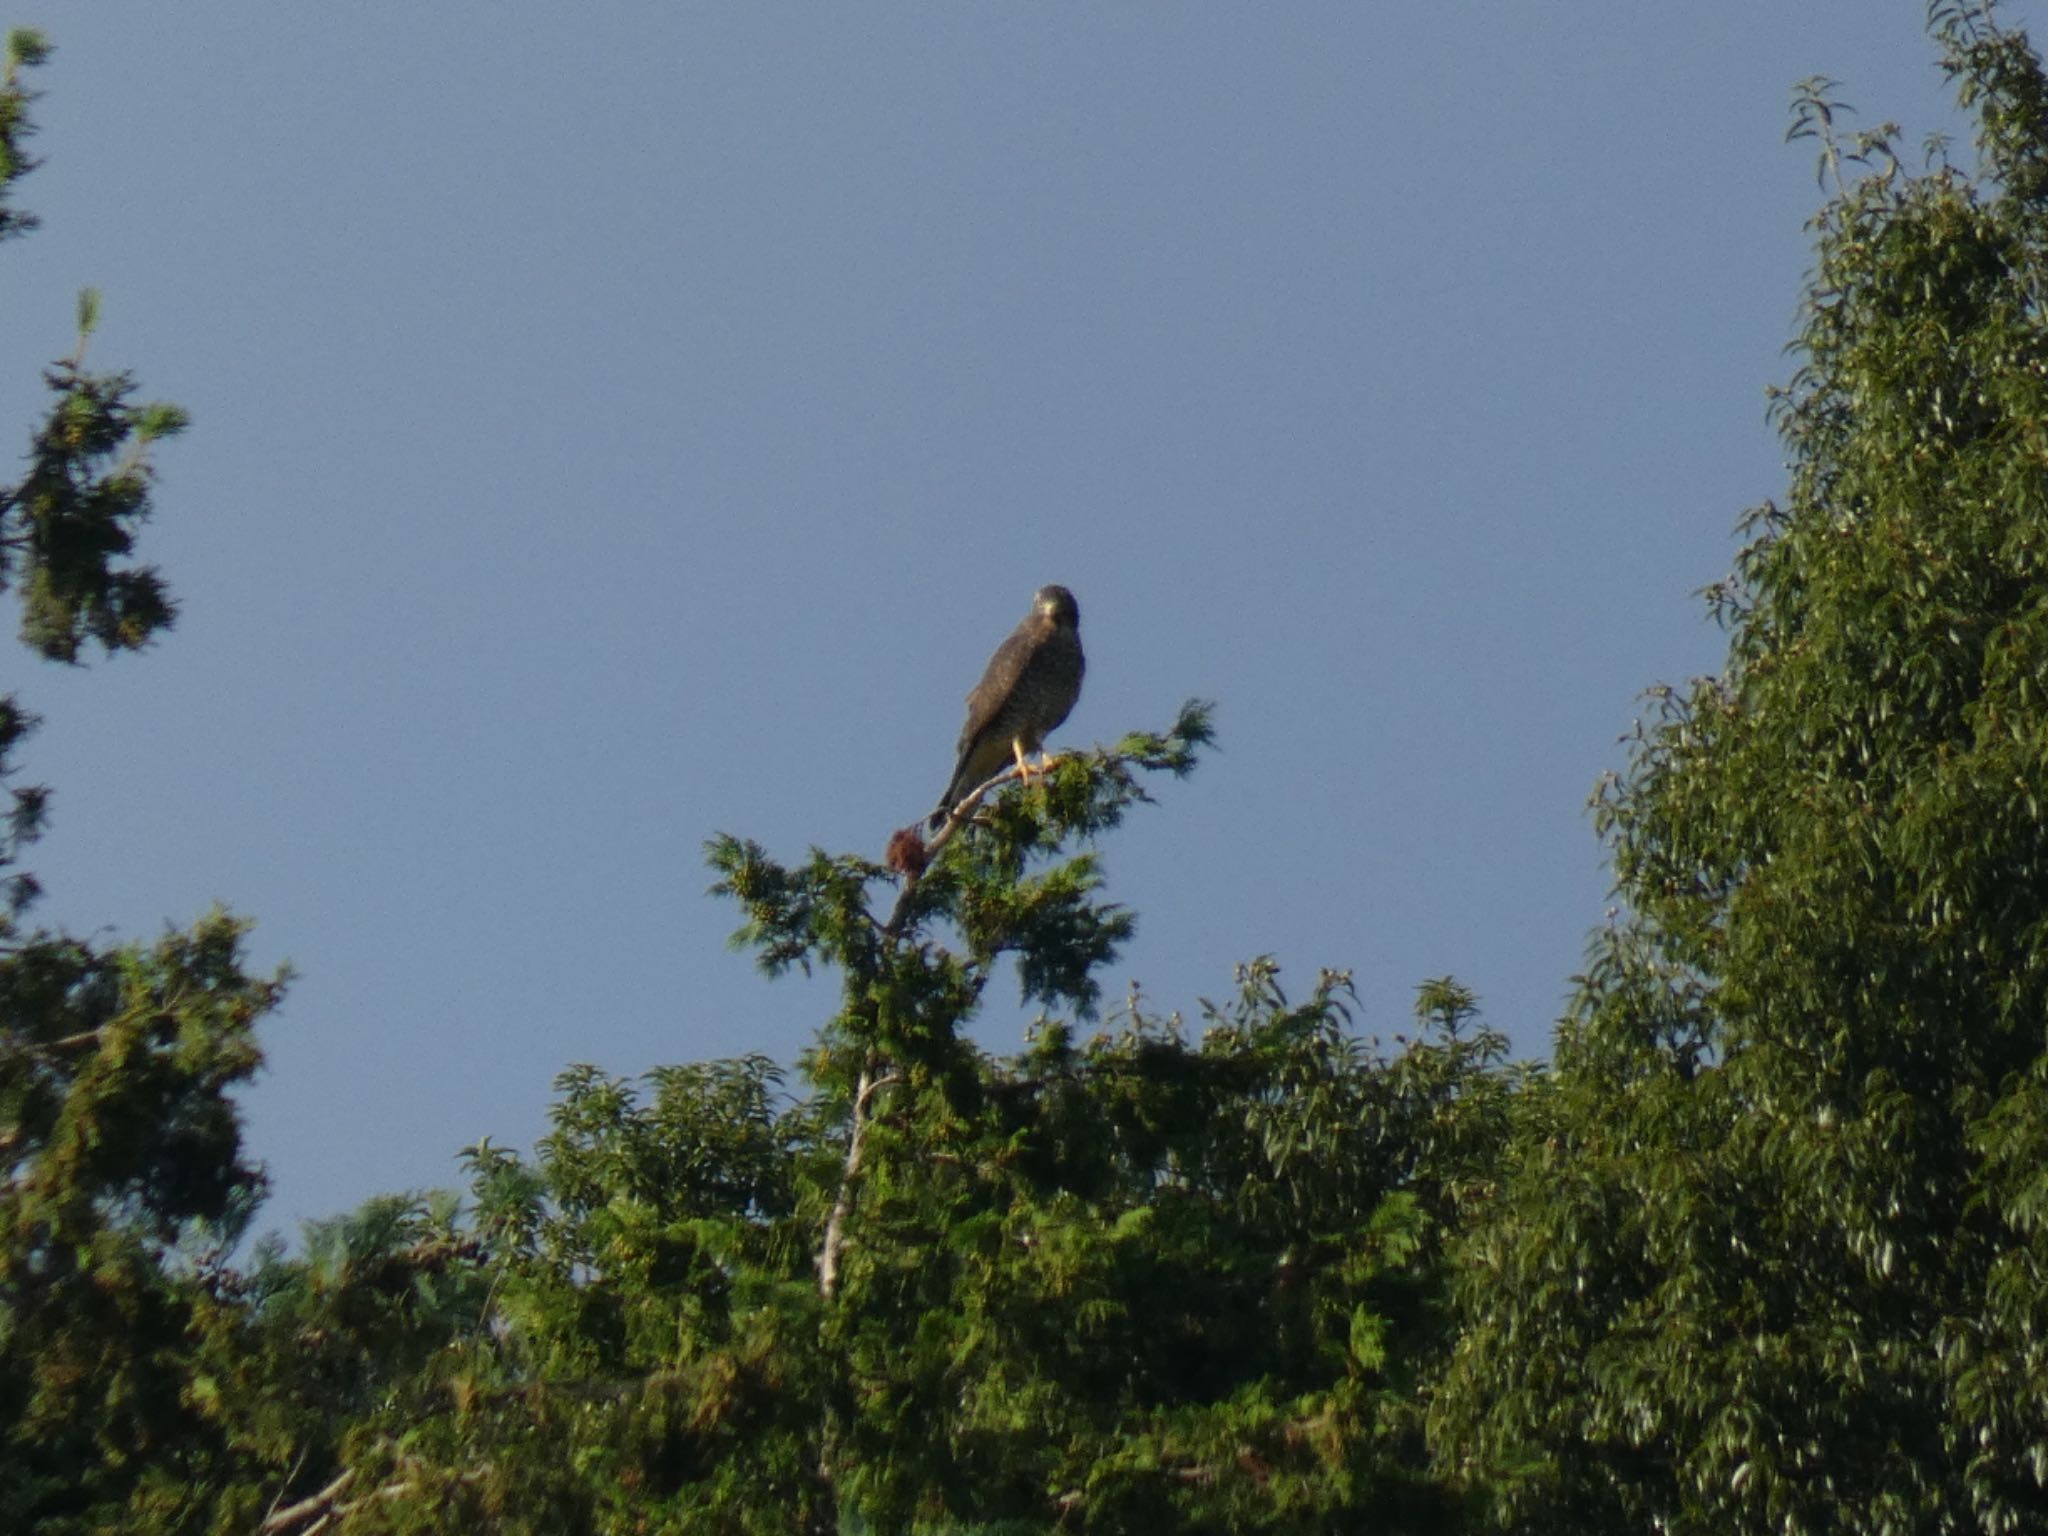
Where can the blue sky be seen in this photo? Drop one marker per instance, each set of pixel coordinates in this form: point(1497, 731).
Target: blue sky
point(615, 425)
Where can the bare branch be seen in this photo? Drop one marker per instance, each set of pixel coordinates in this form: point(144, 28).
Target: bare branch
point(962, 813)
point(320, 1504)
point(328, 1506)
point(835, 1224)
point(298, 1464)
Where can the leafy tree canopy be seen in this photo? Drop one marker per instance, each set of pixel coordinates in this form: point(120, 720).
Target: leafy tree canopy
point(1773, 1258)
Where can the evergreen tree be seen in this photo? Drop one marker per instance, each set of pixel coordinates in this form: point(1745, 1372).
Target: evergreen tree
point(1128, 1282)
point(1775, 1257)
point(119, 1147)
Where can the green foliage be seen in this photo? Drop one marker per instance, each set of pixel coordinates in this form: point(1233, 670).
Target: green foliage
point(1766, 1250)
point(23, 820)
point(119, 1141)
point(26, 49)
point(68, 526)
point(1773, 1259)
point(1134, 1282)
point(123, 1366)
point(1146, 1282)
point(1149, 1283)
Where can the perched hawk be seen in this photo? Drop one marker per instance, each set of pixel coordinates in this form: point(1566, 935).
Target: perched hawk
point(1031, 683)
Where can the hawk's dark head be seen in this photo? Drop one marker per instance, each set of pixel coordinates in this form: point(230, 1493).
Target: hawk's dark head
point(1057, 604)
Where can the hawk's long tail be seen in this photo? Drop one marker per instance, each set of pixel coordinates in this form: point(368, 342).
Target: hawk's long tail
point(956, 791)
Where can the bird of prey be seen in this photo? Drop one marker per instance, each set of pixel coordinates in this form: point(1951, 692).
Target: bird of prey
point(1031, 683)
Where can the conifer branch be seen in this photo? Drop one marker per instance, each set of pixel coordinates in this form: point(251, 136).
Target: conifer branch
point(1172, 751)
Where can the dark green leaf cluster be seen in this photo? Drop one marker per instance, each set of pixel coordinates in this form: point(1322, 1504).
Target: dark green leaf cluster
point(23, 820)
point(68, 527)
point(121, 1151)
point(1153, 1282)
point(1773, 1257)
point(26, 48)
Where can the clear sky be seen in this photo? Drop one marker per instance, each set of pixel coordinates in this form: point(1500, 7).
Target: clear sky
point(619, 424)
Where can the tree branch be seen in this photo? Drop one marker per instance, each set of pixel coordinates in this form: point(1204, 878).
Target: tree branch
point(328, 1506)
point(875, 1074)
point(962, 813)
point(321, 1503)
point(835, 1224)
